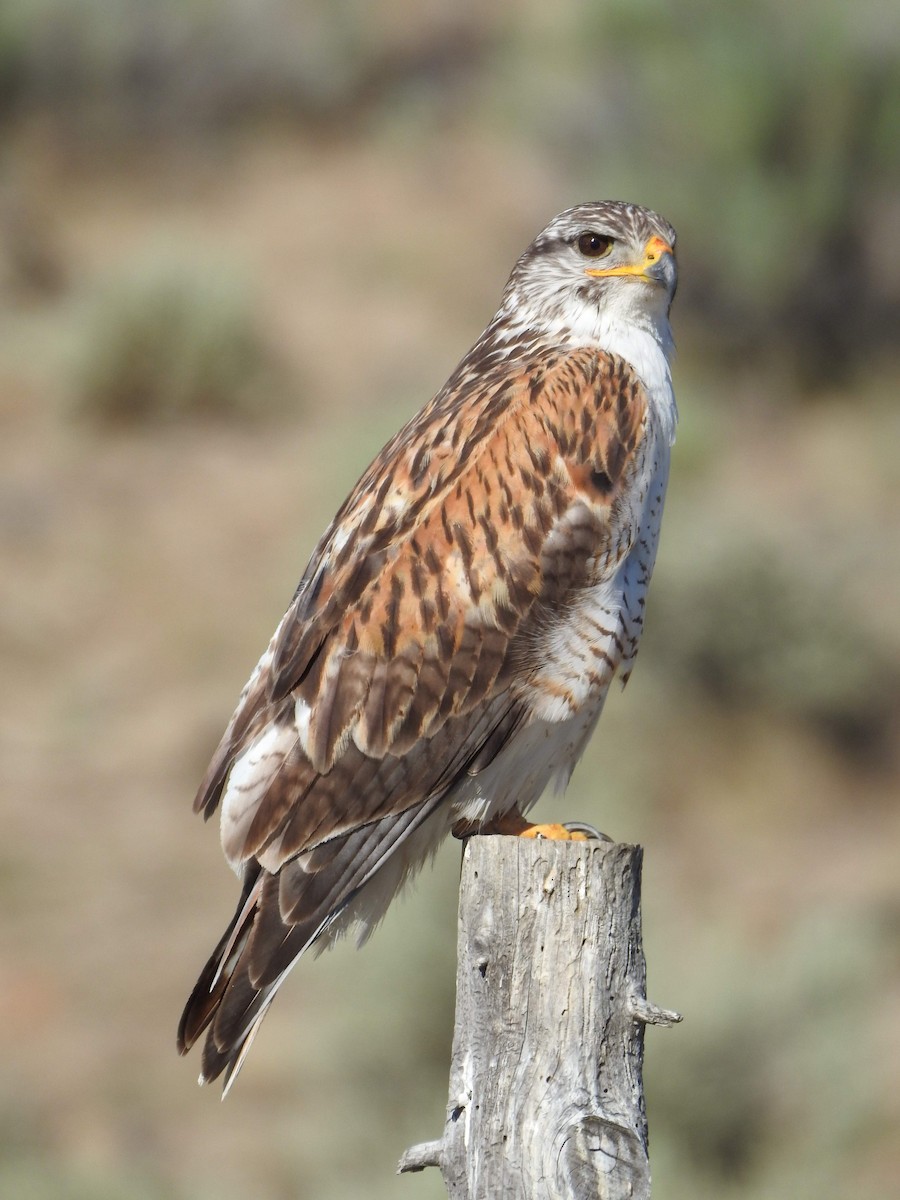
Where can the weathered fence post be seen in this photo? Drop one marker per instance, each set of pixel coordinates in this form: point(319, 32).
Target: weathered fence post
point(546, 1097)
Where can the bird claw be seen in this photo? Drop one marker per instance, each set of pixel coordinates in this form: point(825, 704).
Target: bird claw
point(591, 832)
point(570, 831)
point(513, 824)
point(554, 833)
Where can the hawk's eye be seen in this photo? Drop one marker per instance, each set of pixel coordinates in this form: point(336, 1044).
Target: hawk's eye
point(594, 245)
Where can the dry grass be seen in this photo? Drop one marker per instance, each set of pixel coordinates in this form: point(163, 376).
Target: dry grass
point(168, 343)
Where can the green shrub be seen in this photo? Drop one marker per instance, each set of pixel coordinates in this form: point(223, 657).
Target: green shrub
point(753, 626)
point(171, 343)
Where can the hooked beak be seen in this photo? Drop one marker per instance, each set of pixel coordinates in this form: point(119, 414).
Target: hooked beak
point(647, 268)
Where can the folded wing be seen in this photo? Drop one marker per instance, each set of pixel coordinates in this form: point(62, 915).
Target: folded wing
point(403, 662)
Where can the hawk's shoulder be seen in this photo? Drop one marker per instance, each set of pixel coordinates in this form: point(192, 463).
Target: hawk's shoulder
point(411, 615)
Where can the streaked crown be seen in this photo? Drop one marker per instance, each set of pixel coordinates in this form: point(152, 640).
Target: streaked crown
point(601, 260)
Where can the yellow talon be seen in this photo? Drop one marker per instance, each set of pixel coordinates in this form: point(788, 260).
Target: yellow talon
point(555, 833)
point(513, 824)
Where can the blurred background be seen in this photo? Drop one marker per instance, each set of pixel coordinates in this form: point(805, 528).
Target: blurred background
point(240, 243)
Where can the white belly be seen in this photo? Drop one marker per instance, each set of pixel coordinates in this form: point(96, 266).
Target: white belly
point(588, 644)
point(541, 751)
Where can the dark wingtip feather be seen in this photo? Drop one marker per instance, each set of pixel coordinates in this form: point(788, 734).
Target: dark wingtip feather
point(210, 988)
point(210, 791)
point(201, 1006)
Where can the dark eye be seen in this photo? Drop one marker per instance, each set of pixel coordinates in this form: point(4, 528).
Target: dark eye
point(594, 245)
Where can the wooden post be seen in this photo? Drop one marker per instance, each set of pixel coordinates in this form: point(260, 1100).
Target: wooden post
point(546, 1096)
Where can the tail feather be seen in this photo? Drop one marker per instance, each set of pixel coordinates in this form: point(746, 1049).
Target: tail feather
point(281, 915)
point(210, 988)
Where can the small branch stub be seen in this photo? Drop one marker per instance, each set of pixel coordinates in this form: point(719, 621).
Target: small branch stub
point(417, 1158)
point(648, 1014)
point(546, 1096)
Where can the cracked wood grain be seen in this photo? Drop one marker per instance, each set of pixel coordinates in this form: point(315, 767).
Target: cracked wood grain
point(546, 1096)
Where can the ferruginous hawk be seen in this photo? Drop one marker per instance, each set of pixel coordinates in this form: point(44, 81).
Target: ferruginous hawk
point(451, 643)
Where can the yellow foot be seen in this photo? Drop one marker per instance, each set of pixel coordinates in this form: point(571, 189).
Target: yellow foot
point(556, 833)
point(513, 824)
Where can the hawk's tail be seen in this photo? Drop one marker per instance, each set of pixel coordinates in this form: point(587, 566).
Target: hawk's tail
point(351, 878)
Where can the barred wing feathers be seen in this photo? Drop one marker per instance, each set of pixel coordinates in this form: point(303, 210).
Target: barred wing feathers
point(404, 661)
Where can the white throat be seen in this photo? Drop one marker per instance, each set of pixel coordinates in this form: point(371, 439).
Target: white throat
point(646, 347)
point(642, 338)
point(649, 352)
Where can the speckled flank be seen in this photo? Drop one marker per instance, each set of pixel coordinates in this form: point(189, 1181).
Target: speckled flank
point(453, 638)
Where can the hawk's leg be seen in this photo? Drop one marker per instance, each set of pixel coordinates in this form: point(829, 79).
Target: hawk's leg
point(513, 824)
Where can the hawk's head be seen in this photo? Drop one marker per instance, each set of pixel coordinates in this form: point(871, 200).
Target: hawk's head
point(594, 263)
